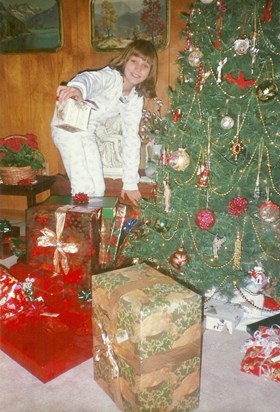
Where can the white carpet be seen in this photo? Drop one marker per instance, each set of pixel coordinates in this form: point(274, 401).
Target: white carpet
point(224, 388)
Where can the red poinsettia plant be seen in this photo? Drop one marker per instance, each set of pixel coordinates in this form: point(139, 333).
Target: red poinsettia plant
point(20, 151)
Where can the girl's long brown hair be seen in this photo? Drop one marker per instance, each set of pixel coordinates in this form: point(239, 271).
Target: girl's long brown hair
point(147, 51)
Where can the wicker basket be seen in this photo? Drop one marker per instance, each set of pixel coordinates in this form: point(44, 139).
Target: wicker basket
point(12, 175)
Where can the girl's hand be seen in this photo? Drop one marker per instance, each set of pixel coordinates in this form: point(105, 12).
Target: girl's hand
point(133, 195)
point(65, 92)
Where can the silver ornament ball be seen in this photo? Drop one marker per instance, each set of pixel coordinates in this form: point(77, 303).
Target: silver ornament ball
point(227, 122)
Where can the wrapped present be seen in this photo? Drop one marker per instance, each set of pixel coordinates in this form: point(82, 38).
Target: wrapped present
point(111, 233)
point(72, 116)
point(262, 353)
point(7, 231)
point(221, 315)
point(65, 238)
point(51, 342)
point(147, 340)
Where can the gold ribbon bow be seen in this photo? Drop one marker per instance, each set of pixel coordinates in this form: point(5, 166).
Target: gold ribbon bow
point(51, 238)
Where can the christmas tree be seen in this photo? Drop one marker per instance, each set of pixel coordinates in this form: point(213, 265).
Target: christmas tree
point(215, 220)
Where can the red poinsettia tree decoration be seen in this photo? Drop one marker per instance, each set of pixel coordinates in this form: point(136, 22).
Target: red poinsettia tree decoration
point(238, 206)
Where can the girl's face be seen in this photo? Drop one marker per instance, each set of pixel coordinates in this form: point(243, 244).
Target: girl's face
point(136, 71)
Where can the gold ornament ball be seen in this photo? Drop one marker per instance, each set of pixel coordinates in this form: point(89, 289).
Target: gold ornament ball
point(194, 57)
point(179, 159)
point(267, 90)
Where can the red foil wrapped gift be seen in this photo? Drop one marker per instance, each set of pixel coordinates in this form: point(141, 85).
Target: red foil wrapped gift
point(55, 334)
point(65, 238)
point(262, 353)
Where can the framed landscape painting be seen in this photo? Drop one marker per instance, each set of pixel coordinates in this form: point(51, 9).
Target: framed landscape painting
point(115, 23)
point(30, 26)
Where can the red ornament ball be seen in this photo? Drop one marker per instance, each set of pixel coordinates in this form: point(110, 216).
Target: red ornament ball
point(205, 219)
point(179, 258)
point(238, 206)
point(269, 211)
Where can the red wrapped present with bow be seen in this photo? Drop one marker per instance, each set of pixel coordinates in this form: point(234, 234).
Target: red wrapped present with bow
point(65, 238)
point(262, 353)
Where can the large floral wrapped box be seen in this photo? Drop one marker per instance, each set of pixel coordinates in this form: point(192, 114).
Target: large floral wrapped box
point(147, 340)
point(65, 238)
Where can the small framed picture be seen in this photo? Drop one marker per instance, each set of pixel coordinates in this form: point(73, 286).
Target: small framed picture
point(116, 23)
point(30, 26)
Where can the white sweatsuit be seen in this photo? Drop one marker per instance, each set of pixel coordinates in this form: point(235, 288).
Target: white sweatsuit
point(79, 150)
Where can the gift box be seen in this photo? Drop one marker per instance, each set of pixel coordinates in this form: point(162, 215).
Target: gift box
point(110, 236)
point(147, 340)
point(51, 342)
point(220, 315)
point(65, 237)
point(55, 335)
point(72, 116)
point(262, 353)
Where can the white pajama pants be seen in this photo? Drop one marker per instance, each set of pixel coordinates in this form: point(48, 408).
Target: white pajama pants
point(81, 159)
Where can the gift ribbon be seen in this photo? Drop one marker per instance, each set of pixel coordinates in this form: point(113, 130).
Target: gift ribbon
point(109, 353)
point(51, 238)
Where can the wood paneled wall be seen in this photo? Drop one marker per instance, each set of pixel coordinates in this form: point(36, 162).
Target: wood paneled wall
point(29, 80)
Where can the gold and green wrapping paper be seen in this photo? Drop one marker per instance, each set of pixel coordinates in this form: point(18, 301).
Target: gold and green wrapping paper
point(147, 340)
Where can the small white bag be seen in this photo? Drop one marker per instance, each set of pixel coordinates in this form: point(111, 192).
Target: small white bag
point(73, 116)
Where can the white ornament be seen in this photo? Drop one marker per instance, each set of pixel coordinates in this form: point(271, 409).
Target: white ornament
point(227, 122)
point(217, 243)
point(219, 69)
point(206, 1)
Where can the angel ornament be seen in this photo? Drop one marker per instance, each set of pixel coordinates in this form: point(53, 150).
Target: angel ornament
point(167, 195)
point(217, 243)
point(219, 69)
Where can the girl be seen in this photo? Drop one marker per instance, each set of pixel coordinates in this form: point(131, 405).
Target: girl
point(118, 89)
